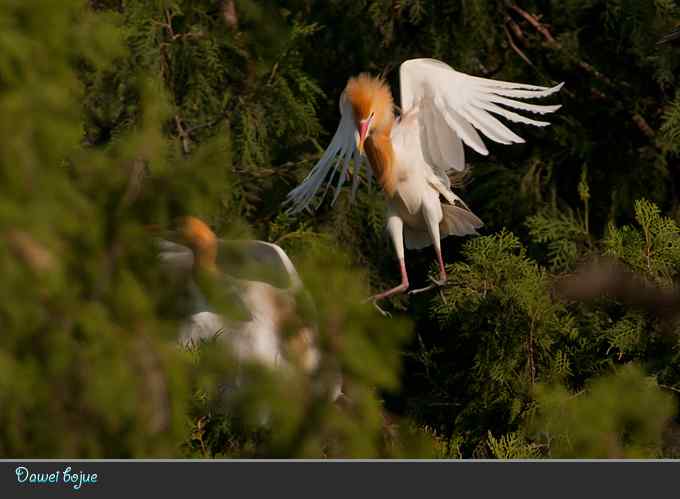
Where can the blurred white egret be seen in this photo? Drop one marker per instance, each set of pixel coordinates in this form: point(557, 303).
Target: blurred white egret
point(265, 282)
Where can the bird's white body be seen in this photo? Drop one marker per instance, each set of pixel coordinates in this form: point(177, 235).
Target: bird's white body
point(255, 340)
point(416, 202)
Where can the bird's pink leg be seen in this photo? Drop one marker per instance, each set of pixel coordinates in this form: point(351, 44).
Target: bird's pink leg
point(432, 222)
point(395, 226)
point(397, 289)
point(435, 283)
point(442, 268)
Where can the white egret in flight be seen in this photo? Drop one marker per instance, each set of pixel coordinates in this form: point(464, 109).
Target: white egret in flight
point(412, 155)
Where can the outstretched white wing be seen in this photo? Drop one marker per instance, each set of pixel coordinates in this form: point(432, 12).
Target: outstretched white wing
point(333, 164)
point(253, 260)
point(245, 259)
point(451, 107)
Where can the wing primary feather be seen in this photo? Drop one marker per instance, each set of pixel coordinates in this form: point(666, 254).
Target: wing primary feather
point(479, 125)
point(521, 94)
point(429, 139)
point(491, 127)
point(471, 107)
point(464, 130)
point(488, 83)
point(449, 151)
point(509, 115)
point(532, 108)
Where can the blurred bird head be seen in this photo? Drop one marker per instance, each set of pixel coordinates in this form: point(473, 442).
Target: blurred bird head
point(372, 105)
point(195, 233)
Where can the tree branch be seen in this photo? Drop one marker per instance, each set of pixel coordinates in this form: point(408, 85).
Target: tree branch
point(514, 47)
point(184, 136)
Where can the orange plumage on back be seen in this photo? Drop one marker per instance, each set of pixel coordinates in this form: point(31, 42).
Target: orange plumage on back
point(371, 97)
point(381, 157)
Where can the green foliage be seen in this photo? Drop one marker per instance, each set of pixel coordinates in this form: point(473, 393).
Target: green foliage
point(670, 128)
point(653, 249)
point(563, 235)
point(89, 359)
point(621, 415)
point(512, 446)
point(502, 336)
point(86, 367)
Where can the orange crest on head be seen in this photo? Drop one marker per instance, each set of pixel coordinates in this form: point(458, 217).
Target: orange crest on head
point(201, 238)
point(368, 94)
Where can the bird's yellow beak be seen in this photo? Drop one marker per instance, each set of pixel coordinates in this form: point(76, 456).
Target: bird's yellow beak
point(363, 132)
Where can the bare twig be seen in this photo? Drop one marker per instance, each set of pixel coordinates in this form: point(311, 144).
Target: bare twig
point(516, 30)
point(168, 23)
point(273, 73)
point(517, 50)
point(183, 134)
point(534, 21)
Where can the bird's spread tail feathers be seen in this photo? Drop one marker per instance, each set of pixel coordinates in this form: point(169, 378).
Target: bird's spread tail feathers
point(457, 221)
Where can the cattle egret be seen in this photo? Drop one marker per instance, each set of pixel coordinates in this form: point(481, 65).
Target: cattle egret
point(412, 155)
point(264, 281)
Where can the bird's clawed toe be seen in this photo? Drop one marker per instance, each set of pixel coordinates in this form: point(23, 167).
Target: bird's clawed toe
point(386, 294)
point(422, 290)
point(436, 283)
point(439, 282)
point(374, 301)
point(384, 313)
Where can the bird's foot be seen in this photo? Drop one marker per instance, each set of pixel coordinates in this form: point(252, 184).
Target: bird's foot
point(436, 283)
point(386, 294)
point(384, 313)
